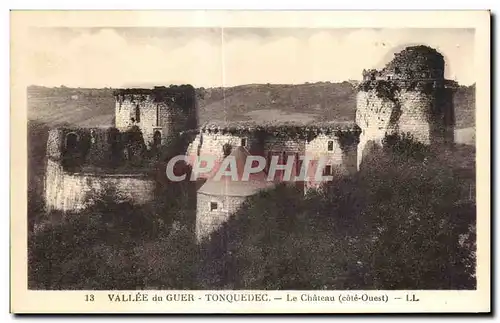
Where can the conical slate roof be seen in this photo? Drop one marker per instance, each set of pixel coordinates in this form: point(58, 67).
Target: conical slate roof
point(227, 186)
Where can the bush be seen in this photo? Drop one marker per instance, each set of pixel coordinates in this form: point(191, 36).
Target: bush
point(398, 224)
point(110, 245)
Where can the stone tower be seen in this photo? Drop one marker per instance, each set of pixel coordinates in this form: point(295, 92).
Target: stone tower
point(409, 95)
point(160, 113)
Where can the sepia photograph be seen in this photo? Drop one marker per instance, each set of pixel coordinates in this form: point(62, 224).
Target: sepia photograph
point(237, 158)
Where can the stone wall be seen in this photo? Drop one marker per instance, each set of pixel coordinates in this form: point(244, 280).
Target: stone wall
point(318, 148)
point(416, 114)
point(73, 191)
point(153, 116)
point(409, 111)
point(282, 144)
point(94, 147)
point(212, 145)
point(341, 158)
point(409, 95)
point(167, 110)
point(208, 221)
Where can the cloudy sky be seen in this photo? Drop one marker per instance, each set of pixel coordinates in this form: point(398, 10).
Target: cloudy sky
point(117, 57)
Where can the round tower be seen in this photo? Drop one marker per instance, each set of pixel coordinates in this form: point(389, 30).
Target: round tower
point(160, 113)
point(409, 95)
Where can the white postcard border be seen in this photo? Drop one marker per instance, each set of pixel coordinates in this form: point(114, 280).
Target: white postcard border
point(26, 301)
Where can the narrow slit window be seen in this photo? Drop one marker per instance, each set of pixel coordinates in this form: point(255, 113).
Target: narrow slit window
point(243, 142)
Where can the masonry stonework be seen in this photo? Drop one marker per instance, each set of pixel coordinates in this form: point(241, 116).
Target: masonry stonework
point(409, 96)
point(160, 113)
point(66, 191)
point(208, 220)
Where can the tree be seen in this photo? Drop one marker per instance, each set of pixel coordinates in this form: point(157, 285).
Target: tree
point(400, 223)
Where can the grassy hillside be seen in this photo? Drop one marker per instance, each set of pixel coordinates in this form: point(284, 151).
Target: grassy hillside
point(82, 107)
point(315, 101)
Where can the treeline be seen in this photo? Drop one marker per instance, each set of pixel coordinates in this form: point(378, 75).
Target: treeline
point(62, 91)
point(403, 222)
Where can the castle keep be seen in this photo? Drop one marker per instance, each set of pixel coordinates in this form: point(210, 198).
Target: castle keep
point(409, 95)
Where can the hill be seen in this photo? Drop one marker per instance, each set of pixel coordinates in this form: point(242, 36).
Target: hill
point(315, 101)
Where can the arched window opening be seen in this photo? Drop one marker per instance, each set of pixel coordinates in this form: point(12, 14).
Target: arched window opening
point(71, 142)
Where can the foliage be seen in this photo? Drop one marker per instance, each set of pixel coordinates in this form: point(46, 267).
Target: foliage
point(111, 245)
point(396, 225)
point(404, 146)
point(347, 138)
point(388, 89)
point(401, 223)
point(289, 130)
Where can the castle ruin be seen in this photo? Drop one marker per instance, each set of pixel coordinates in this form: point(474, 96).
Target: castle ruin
point(81, 162)
point(409, 95)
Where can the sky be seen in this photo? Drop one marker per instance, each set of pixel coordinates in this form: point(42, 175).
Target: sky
point(214, 57)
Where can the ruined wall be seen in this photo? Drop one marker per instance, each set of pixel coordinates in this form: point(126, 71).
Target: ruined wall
point(211, 144)
point(152, 115)
point(208, 221)
point(319, 148)
point(416, 114)
point(95, 148)
point(268, 145)
point(409, 96)
point(405, 112)
point(339, 155)
point(283, 144)
point(70, 191)
point(167, 110)
point(67, 179)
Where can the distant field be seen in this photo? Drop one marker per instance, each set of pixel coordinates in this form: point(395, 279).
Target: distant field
point(317, 101)
point(272, 115)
